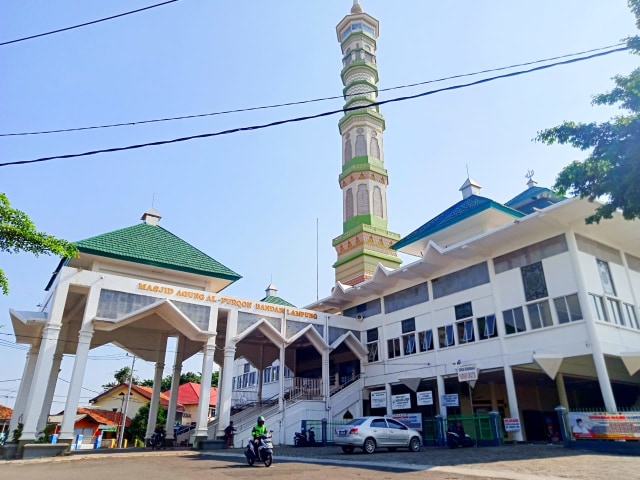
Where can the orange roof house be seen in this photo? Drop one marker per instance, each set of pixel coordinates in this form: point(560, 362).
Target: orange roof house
point(189, 396)
point(5, 418)
point(114, 399)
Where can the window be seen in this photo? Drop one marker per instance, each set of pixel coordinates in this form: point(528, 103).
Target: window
point(271, 374)
point(535, 286)
point(605, 277)
point(486, 327)
point(514, 321)
point(394, 347)
point(372, 345)
point(540, 314)
point(445, 336)
point(406, 298)
point(465, 331)
point(568, 308)
point(615, 310)
point(409, 325)
point(597, 307)
point(531, 254)
point(461, 280)
point(246, 368)
point(409, 342)
point(426, 340)
point(630, 313)
point(288, 373)
point(463, 310)
point(368, 309)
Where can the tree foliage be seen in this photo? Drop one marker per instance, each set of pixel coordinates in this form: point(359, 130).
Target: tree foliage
point(188, 377)
point(138, 426)
point(121, 376)
point(18, 234)
point(611, 172)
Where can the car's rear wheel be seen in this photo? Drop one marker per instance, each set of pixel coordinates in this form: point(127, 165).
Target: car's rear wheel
point(414, 444)
point(347, 449)
point(369, 445)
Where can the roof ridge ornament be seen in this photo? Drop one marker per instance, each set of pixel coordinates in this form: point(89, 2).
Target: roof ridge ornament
point(151, 217)
point(529, 176)
point(356, 8)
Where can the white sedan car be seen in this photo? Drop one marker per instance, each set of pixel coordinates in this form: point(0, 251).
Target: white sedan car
point(370, 433)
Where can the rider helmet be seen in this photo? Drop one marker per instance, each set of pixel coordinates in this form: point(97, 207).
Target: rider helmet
point(260, 420)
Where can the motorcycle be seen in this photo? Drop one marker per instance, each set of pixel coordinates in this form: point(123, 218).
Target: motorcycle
point(265, 450)
point(300, 438)
point(156, 442)
point(455, 440)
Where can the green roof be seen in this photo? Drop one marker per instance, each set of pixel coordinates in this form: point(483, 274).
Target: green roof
point(153, 245)
point(276, 301)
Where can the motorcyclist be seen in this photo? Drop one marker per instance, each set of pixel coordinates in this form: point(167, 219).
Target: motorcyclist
point(160, 434)
point(259, 429)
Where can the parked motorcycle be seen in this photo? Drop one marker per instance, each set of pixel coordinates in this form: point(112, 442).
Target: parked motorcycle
point(300, 439)
point(264, 448)
point(156, 442)
point(457, 438)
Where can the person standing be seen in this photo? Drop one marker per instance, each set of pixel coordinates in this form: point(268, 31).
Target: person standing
point(229, 433)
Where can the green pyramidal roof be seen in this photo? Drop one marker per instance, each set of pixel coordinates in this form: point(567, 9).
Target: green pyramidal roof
point(153, 245)
point(276, 301)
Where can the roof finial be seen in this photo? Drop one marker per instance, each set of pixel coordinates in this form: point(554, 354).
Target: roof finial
point(531, 182)
point(357, 8)
point(151, 217)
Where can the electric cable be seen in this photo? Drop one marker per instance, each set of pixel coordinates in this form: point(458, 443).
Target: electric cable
point(311, 117)
point(86, 23)
point(301, 102)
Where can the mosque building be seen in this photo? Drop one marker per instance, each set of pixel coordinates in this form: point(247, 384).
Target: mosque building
point(513, 307)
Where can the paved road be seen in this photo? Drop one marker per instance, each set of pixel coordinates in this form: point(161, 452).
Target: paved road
point(511, 462)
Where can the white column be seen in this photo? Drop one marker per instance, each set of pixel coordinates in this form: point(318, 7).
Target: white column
point(202, 430)
point(596, 349)
point(442, 410)
point(514, 411)
point(562, 391)
point(73, 395)
point(227, 377)
point(23, 390)
point(44, 363)
point(281, 380)
point(387, 387)
point(175, 386)
point(51, 388)
point(39, 381)
point(157, 384)
point(325, 379)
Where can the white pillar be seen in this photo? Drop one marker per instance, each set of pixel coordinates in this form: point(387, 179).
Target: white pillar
point(157, 384)
point(594, 341)
point(387, 387)
point(77, 375)
point(326, 393)
point(442, 409)
point(562, 391)
point(281, 379)
point(202, 430)
point(39, 381)
point(227, 377)
point(175, 386)
point(23, 390)
point(51, 388)
point(514, 411)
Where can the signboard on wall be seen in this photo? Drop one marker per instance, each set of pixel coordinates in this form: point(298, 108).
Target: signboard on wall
point(512, 424)
point(425, 398)
point(609, 426)
point(449, 400)
point(467, 373)
point(379, 399)
point(400, 402)
point(411, 420)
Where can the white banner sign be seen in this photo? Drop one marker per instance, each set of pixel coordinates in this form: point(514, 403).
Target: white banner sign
point(449, 400)
point(425, 398)
point(400, 402)
point(379, 399)
point(512, 424)
point(411, 420)
point(467, 373)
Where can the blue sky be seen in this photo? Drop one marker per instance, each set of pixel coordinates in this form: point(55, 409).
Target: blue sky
point(252, 200)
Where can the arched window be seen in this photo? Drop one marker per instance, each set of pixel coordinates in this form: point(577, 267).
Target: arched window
point(361, 143)
point(348, 204)
point(363, 199)
point(377, 202)
point(348, 153)
point(374, 148)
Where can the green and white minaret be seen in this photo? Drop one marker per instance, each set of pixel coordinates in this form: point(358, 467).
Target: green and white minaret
point(365, 239)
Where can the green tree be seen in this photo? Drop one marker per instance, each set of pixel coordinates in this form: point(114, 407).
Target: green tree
point(138, 426)
point(611, 172)
point(188, 377)
point(121, 376)
point(19, 234)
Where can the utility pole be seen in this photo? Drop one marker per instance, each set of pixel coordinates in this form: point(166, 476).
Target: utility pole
point(126, 405)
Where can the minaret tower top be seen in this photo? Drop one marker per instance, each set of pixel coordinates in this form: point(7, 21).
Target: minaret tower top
point(365, 241)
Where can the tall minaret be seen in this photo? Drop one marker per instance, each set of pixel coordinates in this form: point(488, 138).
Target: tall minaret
point(365, 240)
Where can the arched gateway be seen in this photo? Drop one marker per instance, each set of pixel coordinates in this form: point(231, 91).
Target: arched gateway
point(138, 286)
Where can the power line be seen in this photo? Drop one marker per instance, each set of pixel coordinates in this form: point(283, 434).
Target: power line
point(301, 102)
point(310, 117)
point(86, 23)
